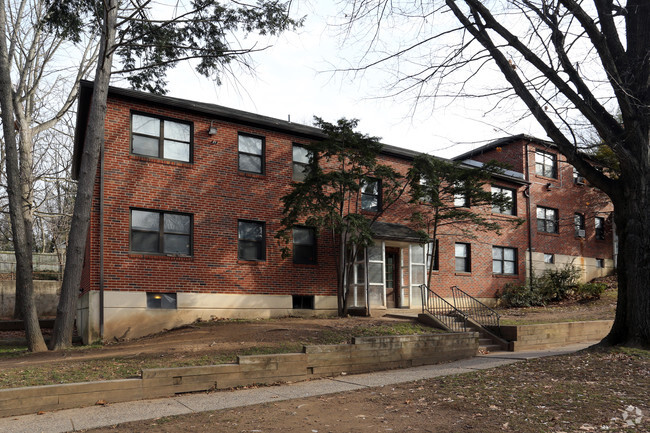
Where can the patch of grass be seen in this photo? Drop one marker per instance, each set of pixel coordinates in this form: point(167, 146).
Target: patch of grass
point(125, 367)
point(12, 351)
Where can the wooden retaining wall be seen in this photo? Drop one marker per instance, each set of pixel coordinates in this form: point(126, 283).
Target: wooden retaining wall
point(548, 335)
point(365, 354)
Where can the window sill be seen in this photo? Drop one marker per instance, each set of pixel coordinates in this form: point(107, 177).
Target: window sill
point(306, 265)
point(250, 262)
point(463, 274)
point(548, 234)
point(510, 276)
point(252, 175)
point(172, 257)
point(161, 161)
point(553, 179)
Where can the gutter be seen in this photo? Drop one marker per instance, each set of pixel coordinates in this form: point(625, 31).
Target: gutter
point(529, 217)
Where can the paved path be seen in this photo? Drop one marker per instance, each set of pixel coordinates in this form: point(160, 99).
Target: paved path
point(102, 416)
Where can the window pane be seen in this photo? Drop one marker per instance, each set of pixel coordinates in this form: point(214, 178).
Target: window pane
point(460, 200)
point(300, 172)
point(461, 250)
point(300, 154)
point(250, 163)
point(369, 202)
point(251, 231)
point(177, 223)
point(370, 188)
point(497, 267)
point(146, 125)
point(177, 244)
point(249, 250)
point(497, 253)
point(361, 275)
point(509, 254)
point(460, 264)
point(303, 236)
point(541, 213)
point(418, 274)
point(304, 254)
point(509, 268)
point(145, 242)
point(250, 144)
point(417, 253)
point(374, 253)
point(143, 220)
point(176, 150)
point(177, 131)
point(375, 273)
point(145, 145)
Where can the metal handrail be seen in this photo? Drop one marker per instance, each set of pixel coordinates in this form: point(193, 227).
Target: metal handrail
point(442, 310)
point(475, 309)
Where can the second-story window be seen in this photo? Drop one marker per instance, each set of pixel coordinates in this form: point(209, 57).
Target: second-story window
point(545, 164)
point(300, 163)
point(506, 209)
point(599, 226)
point(161, 138)
point(251, 153)
point(579, 224)
point(371, 195)
point(460, 196)
point(547, 220)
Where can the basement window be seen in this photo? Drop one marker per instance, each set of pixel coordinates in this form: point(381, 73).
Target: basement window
point(303, 302)
point(161, 301)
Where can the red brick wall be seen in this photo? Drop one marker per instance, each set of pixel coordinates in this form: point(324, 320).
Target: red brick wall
point(217, 195)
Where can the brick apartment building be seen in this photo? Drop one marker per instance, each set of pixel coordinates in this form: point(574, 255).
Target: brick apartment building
point(187, 202)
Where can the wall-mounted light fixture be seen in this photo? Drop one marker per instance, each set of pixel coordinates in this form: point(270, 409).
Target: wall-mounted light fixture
point(213, 128)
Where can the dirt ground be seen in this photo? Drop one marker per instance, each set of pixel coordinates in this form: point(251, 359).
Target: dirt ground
point(206, 338)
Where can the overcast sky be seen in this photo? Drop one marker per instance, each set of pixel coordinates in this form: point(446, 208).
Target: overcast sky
point(292, 79)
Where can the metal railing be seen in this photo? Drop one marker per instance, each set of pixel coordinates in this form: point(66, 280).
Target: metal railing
point(442, 310)
point(475, 309)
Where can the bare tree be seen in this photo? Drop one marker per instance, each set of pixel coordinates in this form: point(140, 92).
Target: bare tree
point(574, 64)
point(32, 70)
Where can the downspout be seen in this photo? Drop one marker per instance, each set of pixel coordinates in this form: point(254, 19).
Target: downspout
point(529, 217)
point(101, 244)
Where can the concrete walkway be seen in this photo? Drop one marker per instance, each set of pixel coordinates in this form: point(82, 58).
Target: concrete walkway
point(102, 416)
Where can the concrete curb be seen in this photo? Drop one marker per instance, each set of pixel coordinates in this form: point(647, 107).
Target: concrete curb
point(101, 416)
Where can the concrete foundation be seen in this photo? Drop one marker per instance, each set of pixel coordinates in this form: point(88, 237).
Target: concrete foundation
point(126, 314)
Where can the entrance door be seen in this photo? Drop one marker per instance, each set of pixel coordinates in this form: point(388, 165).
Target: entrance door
point(392, 278)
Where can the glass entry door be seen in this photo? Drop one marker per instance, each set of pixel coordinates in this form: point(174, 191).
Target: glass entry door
point(392, 278)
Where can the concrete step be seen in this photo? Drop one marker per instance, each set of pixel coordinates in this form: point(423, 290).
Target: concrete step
point(489, 348)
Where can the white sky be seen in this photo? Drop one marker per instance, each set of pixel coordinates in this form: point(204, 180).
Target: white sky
point(291, 79)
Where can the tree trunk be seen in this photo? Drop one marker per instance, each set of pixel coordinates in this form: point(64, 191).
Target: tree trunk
point(22, 245)
point(94, 141)
point(26, 156)
point(632, 213)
